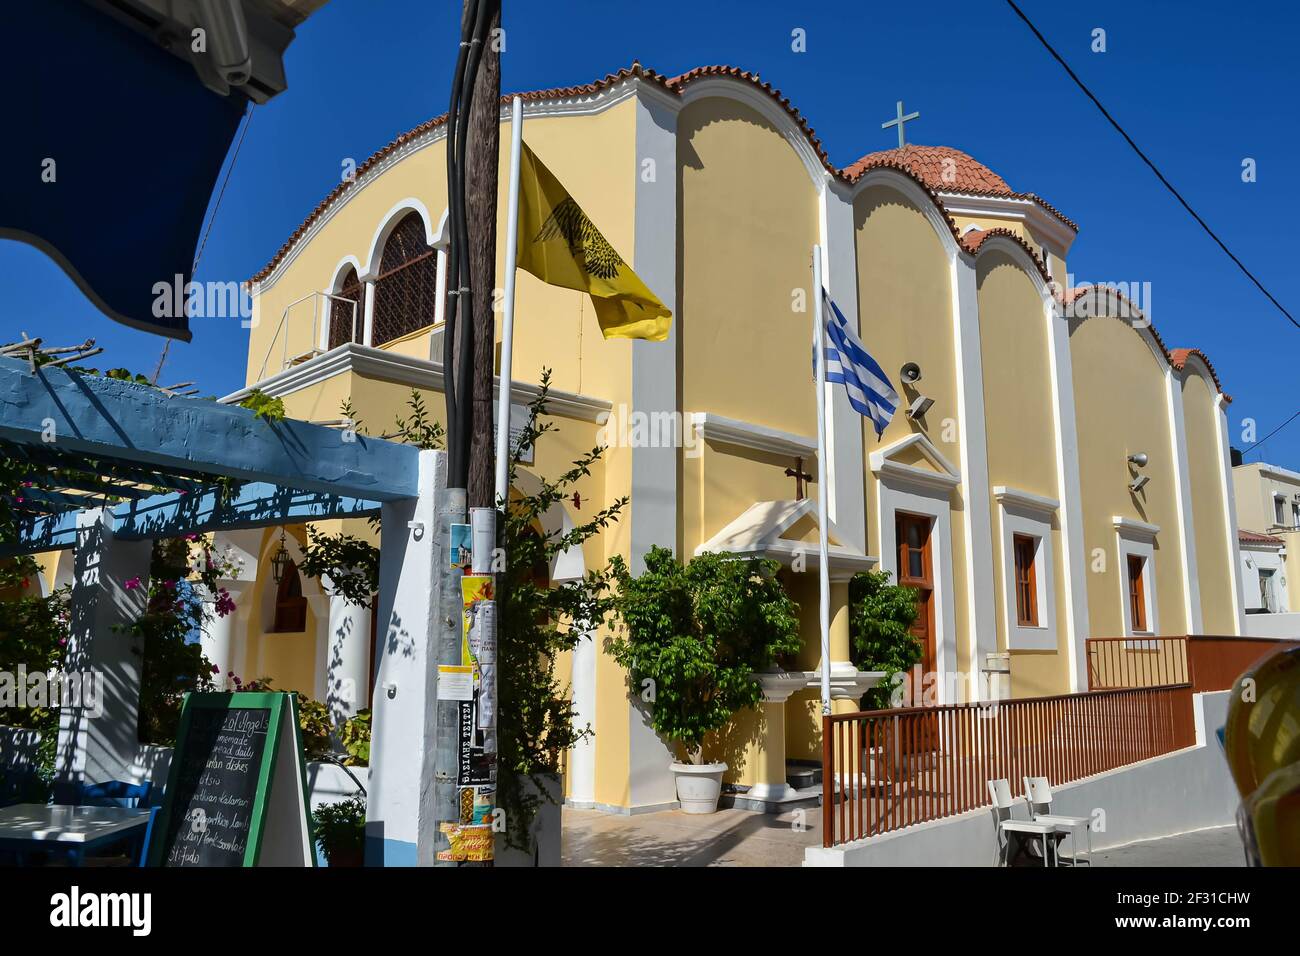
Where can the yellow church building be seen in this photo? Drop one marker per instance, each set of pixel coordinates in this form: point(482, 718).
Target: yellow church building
point(1054, 471)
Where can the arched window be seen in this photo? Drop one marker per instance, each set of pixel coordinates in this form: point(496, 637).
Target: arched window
point(406, 290)
point(290, 605)
point(341, 314)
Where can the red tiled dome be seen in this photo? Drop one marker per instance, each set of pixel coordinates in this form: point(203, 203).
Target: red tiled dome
point(932, 163)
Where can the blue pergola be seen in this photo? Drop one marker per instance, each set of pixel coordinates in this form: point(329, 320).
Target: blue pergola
point(154, 459)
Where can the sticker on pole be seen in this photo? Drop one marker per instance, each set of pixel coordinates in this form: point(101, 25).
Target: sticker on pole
point(460, 550)
point(455, 682)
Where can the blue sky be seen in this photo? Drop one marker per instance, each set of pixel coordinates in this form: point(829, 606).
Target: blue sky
point(1199, 85)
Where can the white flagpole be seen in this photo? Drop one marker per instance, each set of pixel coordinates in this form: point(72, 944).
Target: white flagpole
point(508, 315)
point(823, 569)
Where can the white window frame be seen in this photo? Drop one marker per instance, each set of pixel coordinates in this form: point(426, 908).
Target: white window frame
point(1023, 513)
point(919, 491)
point(1279, 509)
point(1138, 538)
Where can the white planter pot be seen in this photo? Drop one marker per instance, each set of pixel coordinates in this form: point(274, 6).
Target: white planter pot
point(699, 786)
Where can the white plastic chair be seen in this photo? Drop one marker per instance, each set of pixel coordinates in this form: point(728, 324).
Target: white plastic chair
point(1038, 794)
point(1003, 805)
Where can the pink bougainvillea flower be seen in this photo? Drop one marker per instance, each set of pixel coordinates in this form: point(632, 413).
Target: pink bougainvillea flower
point(132, 583)
point(216, 669)
point(225, 604)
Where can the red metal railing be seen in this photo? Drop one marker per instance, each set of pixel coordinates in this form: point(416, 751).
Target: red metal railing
point(1207, 663)
point(1122, 662)
point(887, 769)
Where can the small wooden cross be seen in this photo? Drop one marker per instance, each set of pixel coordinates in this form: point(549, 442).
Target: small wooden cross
point(900, 121)
point(799, 476)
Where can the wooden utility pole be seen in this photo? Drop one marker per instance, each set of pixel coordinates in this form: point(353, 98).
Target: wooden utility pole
point(481, 172)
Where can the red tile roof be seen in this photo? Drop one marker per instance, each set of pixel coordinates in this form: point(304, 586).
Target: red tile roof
point(917, 162)
point(1254, 537)
point(948, 170)
point(972, 242)
point(942, 167)
point(1177, 358)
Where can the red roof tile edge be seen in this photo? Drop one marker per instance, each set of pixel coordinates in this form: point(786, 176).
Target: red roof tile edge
point(673, 85)
point(1177, 358)
point(1256, 537)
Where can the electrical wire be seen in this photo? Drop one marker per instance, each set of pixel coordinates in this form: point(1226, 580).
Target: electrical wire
point(1143, 156)
point(1259, 444)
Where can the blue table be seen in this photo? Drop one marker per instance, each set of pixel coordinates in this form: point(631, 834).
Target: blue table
point(72, 831)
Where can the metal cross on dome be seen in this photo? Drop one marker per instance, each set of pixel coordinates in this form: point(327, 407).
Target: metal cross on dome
point(900, 121)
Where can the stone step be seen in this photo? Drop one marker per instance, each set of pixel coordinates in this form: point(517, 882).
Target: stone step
point(803, 776)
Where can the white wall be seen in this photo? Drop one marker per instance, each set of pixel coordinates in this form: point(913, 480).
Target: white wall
point(1252, 562)
point(1177, 793)
point(1274, 625)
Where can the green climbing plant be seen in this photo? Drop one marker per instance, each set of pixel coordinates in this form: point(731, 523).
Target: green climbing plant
point(693, 635)
point(881, 616)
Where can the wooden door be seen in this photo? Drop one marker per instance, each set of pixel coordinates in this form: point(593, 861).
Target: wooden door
point(916, 571)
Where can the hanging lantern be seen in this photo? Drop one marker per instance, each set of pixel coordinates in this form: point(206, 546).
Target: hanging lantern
point(280, 560)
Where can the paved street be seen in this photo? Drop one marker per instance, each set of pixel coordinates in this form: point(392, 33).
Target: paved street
point(1218, 847)
point(744, 838)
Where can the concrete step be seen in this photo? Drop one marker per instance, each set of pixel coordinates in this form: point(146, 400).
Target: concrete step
point(803, 776)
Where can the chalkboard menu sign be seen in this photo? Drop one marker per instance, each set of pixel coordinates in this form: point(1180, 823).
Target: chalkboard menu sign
point(236, 791)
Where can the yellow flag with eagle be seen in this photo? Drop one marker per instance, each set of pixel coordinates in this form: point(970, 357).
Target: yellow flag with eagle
point(561, 246)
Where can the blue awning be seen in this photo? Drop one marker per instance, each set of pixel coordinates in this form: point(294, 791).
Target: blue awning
point(113, 149)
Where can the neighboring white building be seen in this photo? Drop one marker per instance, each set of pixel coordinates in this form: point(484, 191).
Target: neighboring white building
point(1268, 498)
point(1263, 573)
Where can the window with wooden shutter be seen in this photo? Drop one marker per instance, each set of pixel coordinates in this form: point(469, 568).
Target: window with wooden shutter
point(1137, 601)
point(1025, 547)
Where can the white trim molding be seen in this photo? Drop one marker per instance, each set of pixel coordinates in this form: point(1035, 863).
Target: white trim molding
point(1183, 502)
point(977, 523)
point(731, 431)
point(1070, 518)
point(913, 490)
point(1135, 528)
point(1058, 235)
point(1027, 501)
point(1024, 513)
point(1228, 495)
point(1138, 539)
point(945, 479)
point(387, 223)
point(369, 362)
point(745, 92)
point(845, 484)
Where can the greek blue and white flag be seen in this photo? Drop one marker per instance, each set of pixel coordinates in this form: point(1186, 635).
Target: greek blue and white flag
point(847, 362)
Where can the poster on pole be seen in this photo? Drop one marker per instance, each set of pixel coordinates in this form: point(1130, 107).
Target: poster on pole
point(471, 837)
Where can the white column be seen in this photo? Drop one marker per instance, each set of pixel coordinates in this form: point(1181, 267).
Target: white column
point(399, 811)
point(368, 325)
point(98, 737)
point(653, 517)
point(843, 468)
point(1229, 509)
point(582, 759)
point(977, 526)
point(1183, 501)
point(347, 659)
point(1070, 494)
point(219, 633)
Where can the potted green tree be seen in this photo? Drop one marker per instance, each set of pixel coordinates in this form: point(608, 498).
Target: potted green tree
point(881, 619)
point(340, 831)
point(692, 638)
